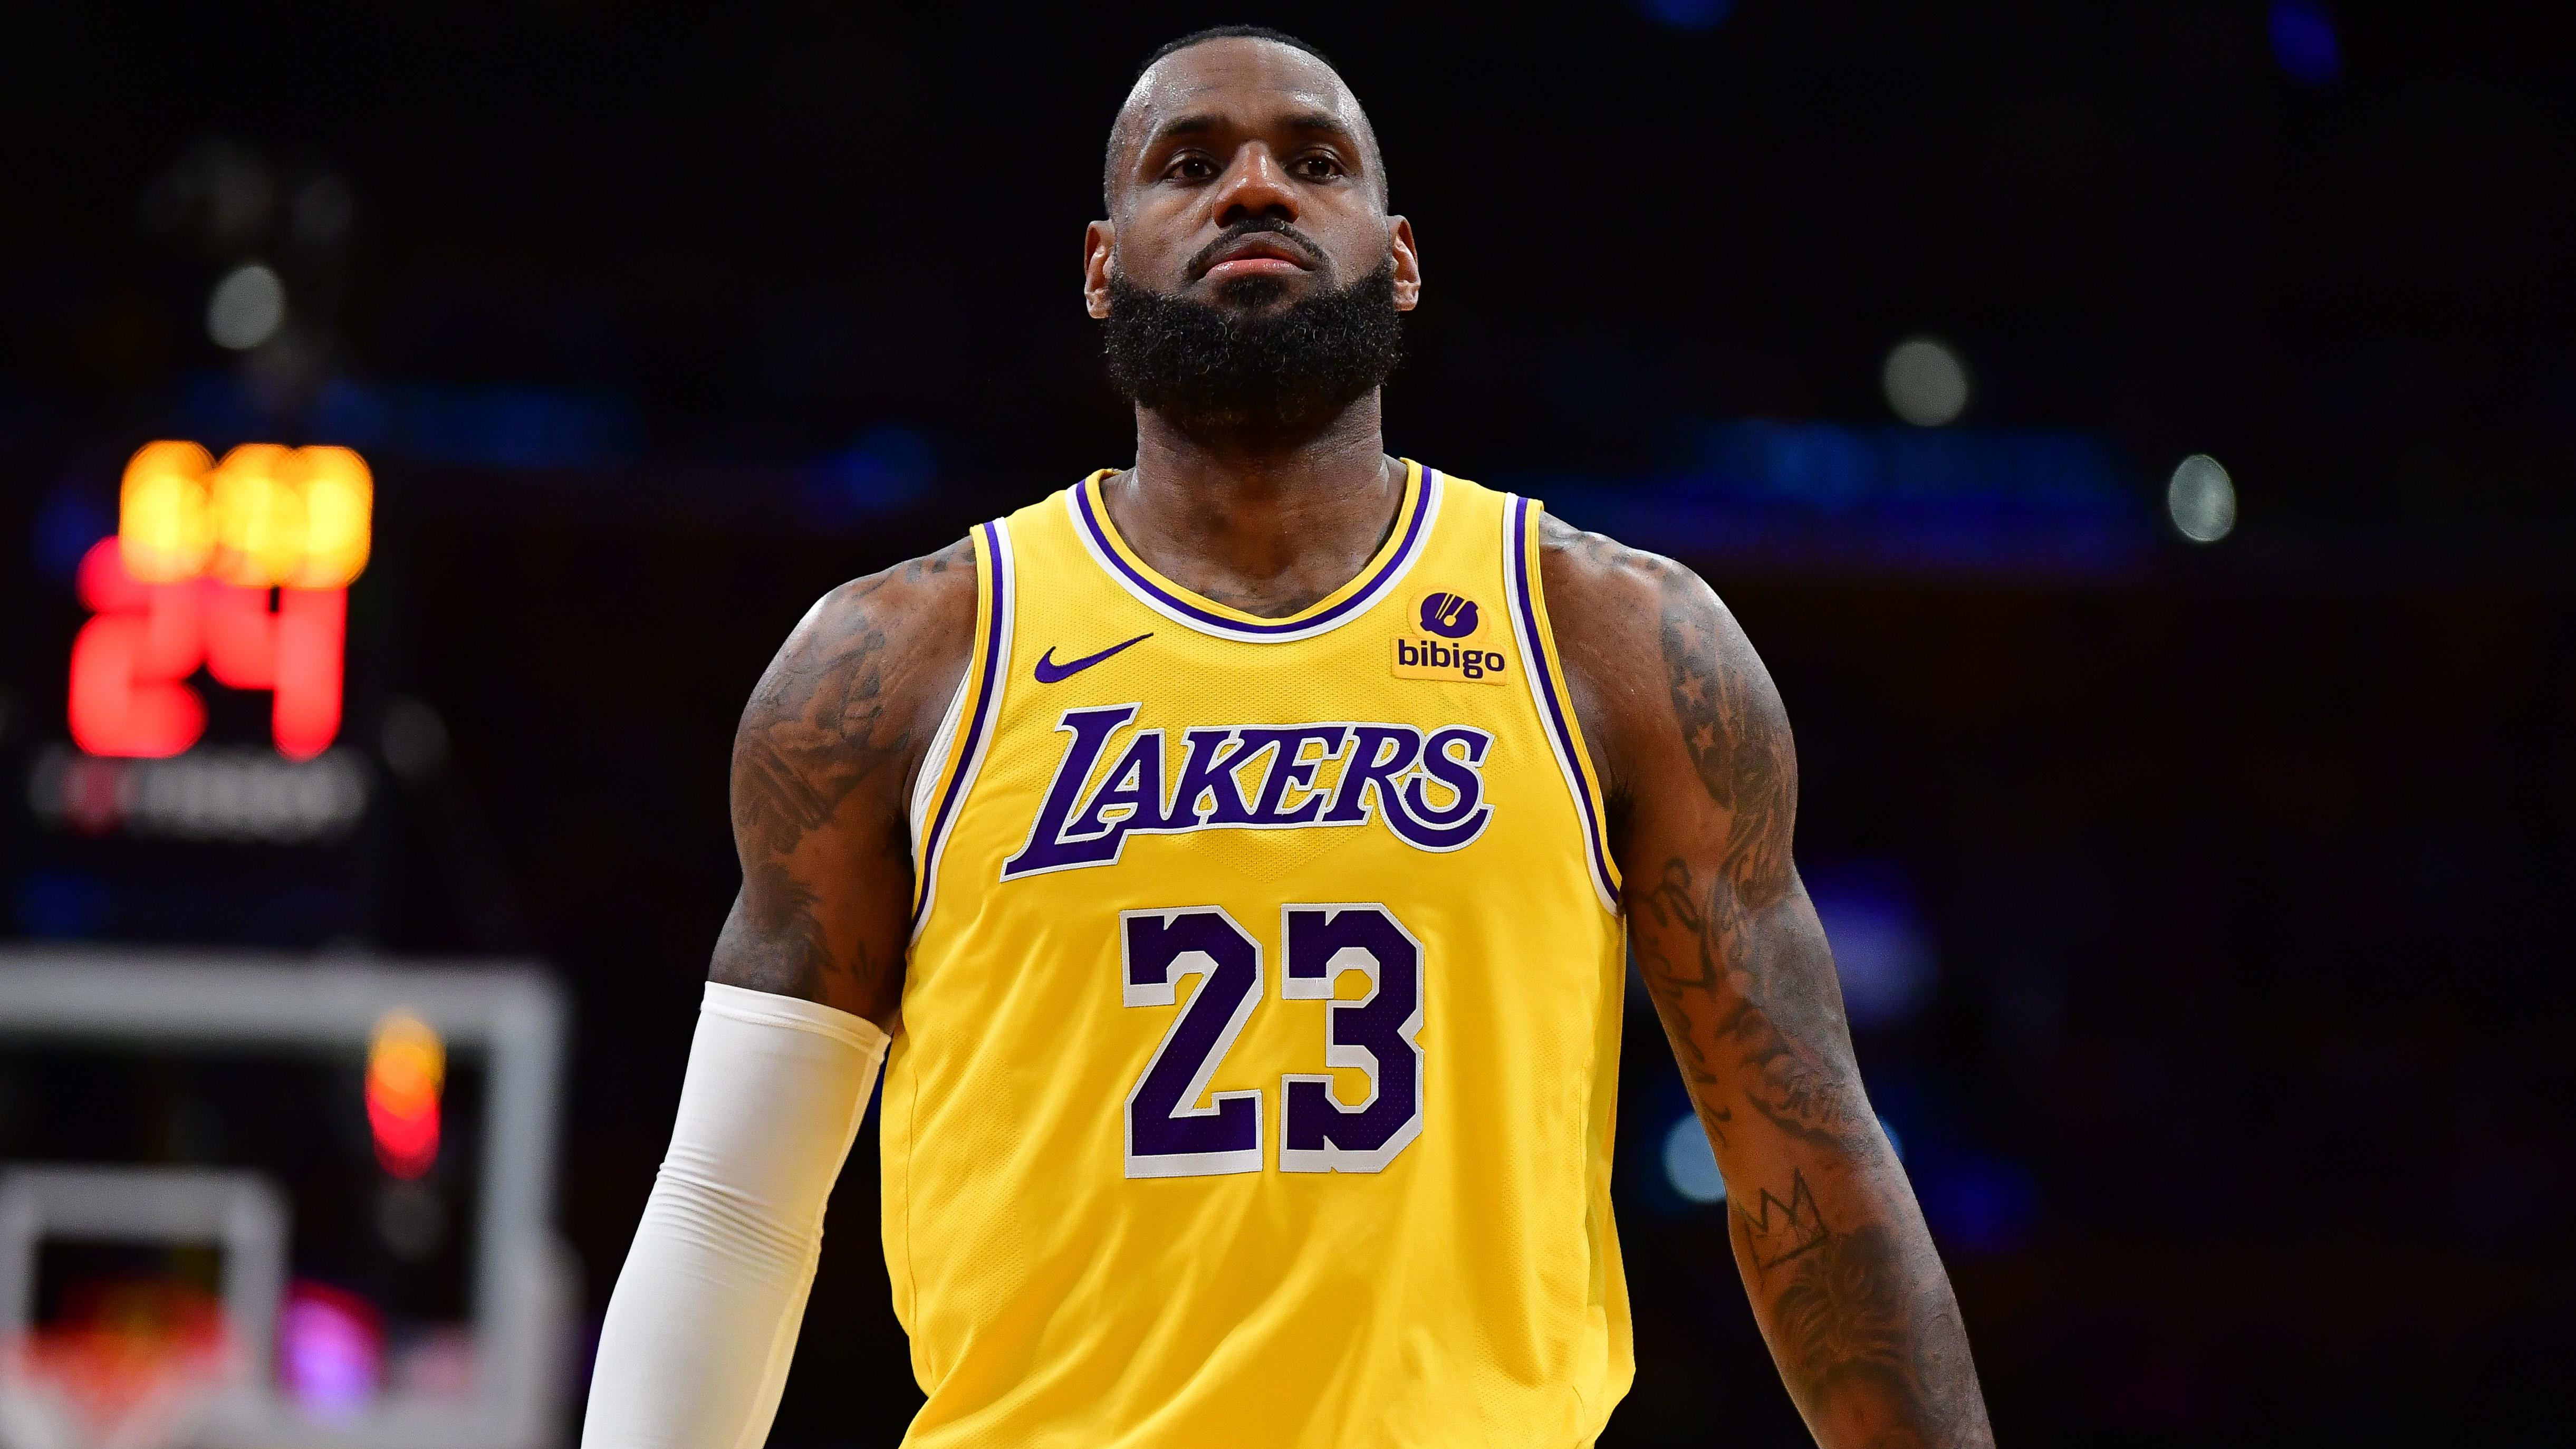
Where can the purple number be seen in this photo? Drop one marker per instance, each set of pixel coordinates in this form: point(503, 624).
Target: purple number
point(1375, 1032)
point(1168, 1133)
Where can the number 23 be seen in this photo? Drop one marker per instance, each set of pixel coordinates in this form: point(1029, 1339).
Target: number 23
point(1169, 1135)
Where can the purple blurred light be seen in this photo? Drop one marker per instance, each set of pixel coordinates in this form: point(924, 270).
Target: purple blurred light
point(330, 1353)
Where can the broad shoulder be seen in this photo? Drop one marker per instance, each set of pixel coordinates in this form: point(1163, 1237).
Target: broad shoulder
point(1646, 645)
point(1593, 581)
point(862, 680)
point(921, 603)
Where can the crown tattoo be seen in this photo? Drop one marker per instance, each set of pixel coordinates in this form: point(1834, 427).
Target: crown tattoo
point(1779, 1231)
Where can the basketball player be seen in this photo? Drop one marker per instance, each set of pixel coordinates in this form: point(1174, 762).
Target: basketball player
point(1235, 852)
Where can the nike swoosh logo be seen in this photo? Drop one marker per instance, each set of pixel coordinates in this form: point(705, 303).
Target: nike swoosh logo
point(1048, 671)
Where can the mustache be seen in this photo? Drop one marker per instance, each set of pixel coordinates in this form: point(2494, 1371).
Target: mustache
point(1258, 226)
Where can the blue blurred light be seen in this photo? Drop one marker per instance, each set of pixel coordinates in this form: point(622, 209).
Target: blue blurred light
point(1982, 1205)
point(1832, 468)
point(1687, 14)
point(884, 468)
point(1878, 499)
point(70, 521)
point(2303, 40)
point(484, 427)
point(887, 465)
point(61, 905)
point(1690, 1166)
point(491, 427)
point(1882, 950)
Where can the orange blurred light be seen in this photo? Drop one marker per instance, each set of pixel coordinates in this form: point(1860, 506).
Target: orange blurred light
point(259, 515)
point(162, 518)
point(266, 515)
point(406, 1071)
point(339, 512)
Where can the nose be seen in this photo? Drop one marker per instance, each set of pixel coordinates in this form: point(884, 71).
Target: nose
point(1254, 185)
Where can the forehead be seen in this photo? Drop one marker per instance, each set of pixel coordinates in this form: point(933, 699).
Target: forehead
point(1241, 79)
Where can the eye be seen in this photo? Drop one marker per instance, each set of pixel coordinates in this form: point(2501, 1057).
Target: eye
point(1191, 167)
point(1315, 167)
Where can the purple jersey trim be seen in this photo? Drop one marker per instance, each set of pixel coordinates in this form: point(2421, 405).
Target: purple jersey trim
point(1524, 590)
point(1359, 599)
point(987, 692)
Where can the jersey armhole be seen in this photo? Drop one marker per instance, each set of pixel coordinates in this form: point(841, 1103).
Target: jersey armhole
point(1546, 673)
point(957, 751)
point(934, 764)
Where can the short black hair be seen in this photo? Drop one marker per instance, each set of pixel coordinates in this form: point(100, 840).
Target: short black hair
point(1231, 32)
point(1109, 163)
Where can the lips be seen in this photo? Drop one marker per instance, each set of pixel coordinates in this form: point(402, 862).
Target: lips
point(1261, 253)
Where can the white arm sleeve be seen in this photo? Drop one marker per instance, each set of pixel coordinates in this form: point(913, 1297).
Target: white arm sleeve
point(704, 1318)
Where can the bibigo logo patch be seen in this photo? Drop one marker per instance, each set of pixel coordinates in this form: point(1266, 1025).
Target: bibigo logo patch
point(1450, 639)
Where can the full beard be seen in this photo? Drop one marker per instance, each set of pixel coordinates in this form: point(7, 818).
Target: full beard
point(1286, 373)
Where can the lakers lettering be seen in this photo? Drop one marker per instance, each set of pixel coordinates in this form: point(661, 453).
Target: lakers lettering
point(1426, 786)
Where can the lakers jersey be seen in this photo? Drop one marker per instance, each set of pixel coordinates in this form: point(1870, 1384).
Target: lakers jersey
point(1255, 1075)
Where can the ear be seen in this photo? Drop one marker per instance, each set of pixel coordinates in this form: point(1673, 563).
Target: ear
point(1099, 240)
point(1408, 266)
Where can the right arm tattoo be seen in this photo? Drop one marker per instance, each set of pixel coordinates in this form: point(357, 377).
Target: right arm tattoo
point(820, 766)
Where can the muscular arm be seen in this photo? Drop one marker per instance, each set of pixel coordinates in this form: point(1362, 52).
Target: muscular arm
point(1695, 748)
point(823, 765)
point(695, 1346)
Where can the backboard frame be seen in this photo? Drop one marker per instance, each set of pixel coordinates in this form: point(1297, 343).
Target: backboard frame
point(523, 1280)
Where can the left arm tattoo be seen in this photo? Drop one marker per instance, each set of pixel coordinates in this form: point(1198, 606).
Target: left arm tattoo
point(1831, 1246)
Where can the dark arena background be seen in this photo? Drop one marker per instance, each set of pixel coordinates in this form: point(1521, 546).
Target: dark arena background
point(2140, 437)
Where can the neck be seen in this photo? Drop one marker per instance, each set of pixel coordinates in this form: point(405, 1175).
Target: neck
point(1264, 524)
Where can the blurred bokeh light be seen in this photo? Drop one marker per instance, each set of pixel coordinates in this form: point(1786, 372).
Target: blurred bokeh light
point(2303, 41)
point(1926, 382)
point(2201, 499)
point(246, 307)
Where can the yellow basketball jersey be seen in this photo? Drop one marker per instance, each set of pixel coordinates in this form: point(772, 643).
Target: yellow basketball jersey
point(1255, 1079)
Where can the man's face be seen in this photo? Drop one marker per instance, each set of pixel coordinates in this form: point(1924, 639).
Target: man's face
point(1244, 180)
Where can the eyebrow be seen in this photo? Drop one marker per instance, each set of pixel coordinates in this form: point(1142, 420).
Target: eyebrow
point(1182, 126)
point(1201, 124)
